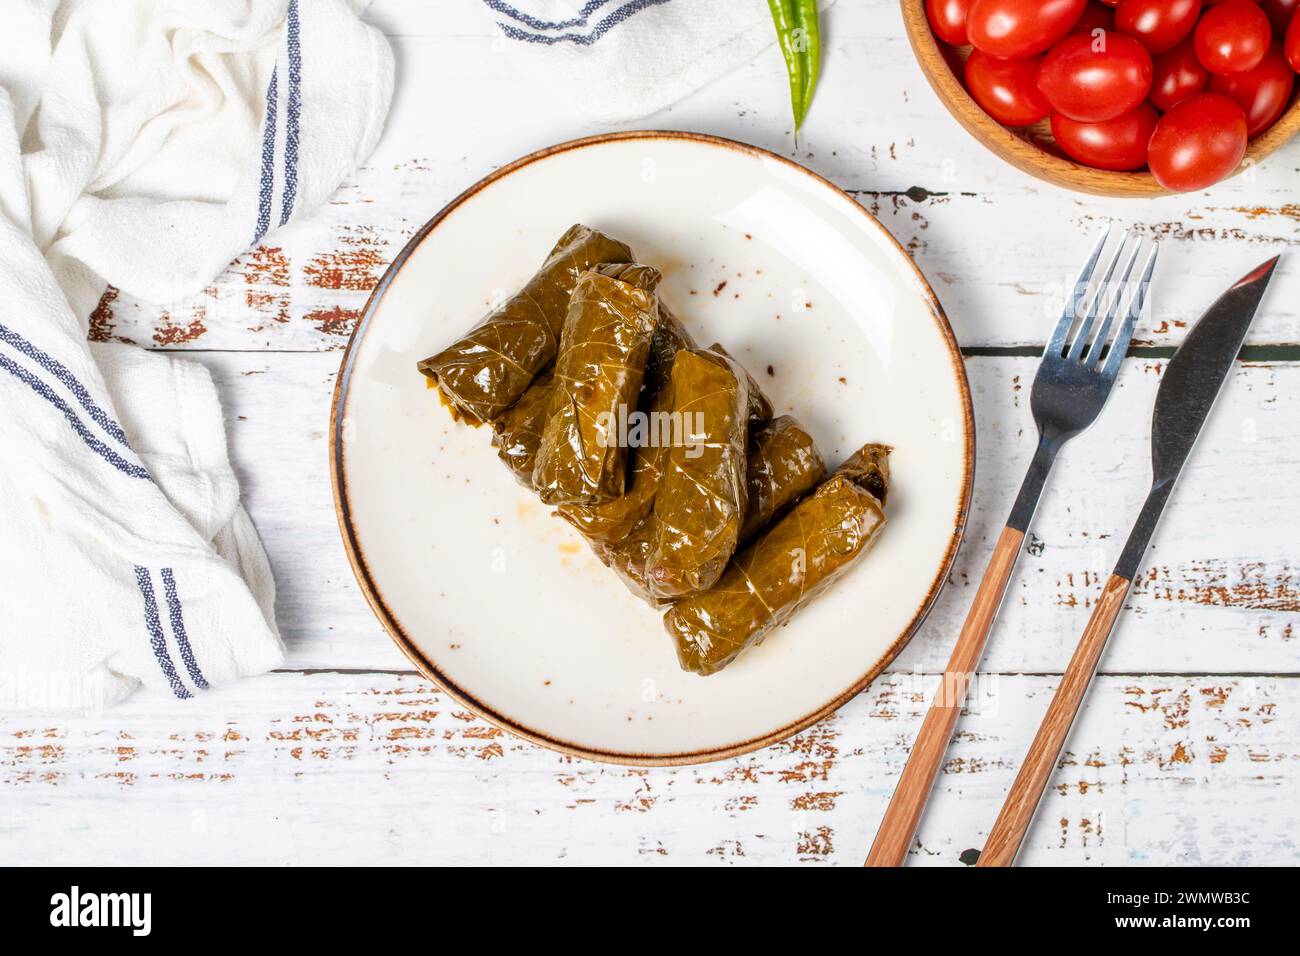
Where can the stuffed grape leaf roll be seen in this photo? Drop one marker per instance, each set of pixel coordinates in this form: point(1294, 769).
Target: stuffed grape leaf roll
point(629, 558)
point(700, 504)
point(794, 562)
point(760, 407)
point(670, 338)
point(517, 433)
point(784, 465)
point(604, 346)
point(610, 522)
point(486, 372)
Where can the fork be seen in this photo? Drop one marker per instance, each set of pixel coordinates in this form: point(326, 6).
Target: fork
point(1075, 377)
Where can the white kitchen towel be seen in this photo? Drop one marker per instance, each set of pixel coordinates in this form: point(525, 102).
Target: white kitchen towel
point(144, 144)
point(620, 60)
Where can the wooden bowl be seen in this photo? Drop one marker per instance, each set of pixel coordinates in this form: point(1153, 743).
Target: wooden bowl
point(1032, 149)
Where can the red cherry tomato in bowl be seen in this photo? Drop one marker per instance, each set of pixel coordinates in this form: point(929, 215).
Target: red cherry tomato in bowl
point(1291, 45)
point(1262, 93)
point(1198, 142)
point(1159, 25)
point(948, 20)
point(1118, 144)
point(1279, 13)
point(1096, 16)
point(1232, 37)
point(1007, 89)
point(1093, 78)
point(1013, 29)
point(1178, 73)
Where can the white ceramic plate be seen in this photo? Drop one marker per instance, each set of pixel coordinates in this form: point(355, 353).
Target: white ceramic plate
point(501, 603)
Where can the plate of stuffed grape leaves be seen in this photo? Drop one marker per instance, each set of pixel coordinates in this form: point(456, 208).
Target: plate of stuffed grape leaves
point(652, 448)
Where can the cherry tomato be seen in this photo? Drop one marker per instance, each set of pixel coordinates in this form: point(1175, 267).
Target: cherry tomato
point(1232, 37)
point(1096, 16)
point(1198, 142)
point(1093, 78)
point(1158, 25)
point(1007, 89)
point(1263, 93)
point(1291, 45)
point(1013, 29)
point(1119, 143)
point(1178, 73)
point(1279, 13)
point(948, 20)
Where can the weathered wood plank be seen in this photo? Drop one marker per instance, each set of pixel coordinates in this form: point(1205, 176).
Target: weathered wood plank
point(999, 247)
point(372, 768)
point(1220, 590)
point(1218, 586)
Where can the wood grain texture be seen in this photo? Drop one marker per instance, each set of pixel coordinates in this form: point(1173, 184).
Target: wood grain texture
point(384, 769)
point(1033, 150)
point(1017, 813)
point(305, 290)
point(905, 808)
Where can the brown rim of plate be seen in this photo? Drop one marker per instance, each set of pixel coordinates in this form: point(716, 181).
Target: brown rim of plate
point(356, 554)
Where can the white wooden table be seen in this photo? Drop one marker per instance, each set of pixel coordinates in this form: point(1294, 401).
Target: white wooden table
point(1188, 751)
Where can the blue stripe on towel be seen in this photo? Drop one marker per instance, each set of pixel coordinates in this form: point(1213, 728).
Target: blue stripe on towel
point(156, 640)
point(70, 381)
point(506, 10)
point(177, 616)
point(604, 26)
point(268, 159)
point(94, 444)
point(294, 108)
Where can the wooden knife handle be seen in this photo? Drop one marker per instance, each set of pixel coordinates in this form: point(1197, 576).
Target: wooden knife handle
point(904, 812)
point(1018, 809)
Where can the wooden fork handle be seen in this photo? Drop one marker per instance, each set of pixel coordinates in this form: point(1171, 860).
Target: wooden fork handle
point(904, 812)
point(1018, 809)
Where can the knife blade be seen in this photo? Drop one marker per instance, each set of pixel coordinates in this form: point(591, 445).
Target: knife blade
point(1188, 389)
point(1191, 383)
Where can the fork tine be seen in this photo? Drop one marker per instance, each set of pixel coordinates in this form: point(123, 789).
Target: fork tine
point(1113, 310)
point(1057, 343)
point(1080, 340)
point(1120, 347)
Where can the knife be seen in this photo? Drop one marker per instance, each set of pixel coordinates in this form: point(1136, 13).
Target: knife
point(1191, 383)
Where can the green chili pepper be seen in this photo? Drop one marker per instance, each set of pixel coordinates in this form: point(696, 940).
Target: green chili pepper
point(783, 15)
point(808, 36)
point(799, 35)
